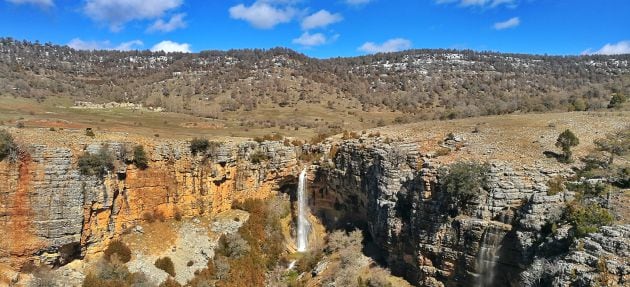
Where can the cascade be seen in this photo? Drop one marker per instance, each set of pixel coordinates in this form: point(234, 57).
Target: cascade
point(303, 225)
point(488, 256)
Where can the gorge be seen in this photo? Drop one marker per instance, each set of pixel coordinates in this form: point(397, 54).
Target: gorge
point(52, 214)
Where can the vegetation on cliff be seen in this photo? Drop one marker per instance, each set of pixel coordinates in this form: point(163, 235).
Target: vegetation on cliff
point(8, 148)
point(96, 164)
point(245, 259)
point(140, 158)
point(464, 182)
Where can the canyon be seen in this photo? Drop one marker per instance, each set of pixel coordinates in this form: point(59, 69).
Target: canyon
point(52, 214)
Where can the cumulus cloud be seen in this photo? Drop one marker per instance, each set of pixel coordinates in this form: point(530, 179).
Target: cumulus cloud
point(263, 14)
point(170, 46)
point(42, 3)
point(79, 44)
point(510, 23)
point(322, 18)
point(480, 3)
point(311, 40)
point(391, 45)
point(176, 22)
point(621, 47)
point(116, 13)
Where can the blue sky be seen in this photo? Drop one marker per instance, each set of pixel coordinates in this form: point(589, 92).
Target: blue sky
point(325, 28)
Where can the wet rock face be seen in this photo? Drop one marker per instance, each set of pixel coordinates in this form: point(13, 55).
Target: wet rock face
point(46, 204)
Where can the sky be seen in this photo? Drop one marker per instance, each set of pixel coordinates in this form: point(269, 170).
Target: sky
point(325, 28)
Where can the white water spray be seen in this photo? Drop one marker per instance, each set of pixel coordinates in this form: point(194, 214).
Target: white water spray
point(303, 226)
point(488, 257)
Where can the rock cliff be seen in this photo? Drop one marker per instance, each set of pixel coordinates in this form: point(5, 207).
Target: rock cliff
point(50, 212)
point(394, 191)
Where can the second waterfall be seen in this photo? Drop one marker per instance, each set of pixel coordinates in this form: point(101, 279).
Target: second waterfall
point(303, 225)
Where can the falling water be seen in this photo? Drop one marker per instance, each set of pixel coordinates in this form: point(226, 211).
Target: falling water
point(488, 256)
point(303, 226)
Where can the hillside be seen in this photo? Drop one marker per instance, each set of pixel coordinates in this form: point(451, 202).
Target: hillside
point(278, 89)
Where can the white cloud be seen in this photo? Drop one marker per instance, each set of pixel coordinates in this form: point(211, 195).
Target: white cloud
point(125, 46)
point(262, 14)
point(481, 3)
point(310, 40)
point(170, 46)
point(42, 3)
point(357, 2)
point(621, 47)
point(322, 18)
point(391, 45)
point(79, 44)
point(176, 22)
point(116, 13)
point(510, 23)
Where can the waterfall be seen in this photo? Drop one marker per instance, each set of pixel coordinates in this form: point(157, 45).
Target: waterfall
point(303, 225)
point(488, 257)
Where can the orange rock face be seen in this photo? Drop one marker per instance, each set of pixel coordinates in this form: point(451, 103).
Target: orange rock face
point(69, 207)
point(18, 238)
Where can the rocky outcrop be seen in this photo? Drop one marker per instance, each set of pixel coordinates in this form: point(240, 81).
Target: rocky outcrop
point(395, 192)
point(50, 212)
point(599, 259)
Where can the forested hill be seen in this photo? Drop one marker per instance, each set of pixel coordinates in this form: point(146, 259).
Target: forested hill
point(424, 83)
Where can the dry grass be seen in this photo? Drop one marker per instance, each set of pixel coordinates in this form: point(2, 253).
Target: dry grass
point(516, 138)
point(57, 113)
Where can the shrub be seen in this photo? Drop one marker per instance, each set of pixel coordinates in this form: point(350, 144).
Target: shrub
point(556, 185)
point(19, 125)
point(617, 101)
point(269, 137)
point(96, 164)
point(199, 145)
point(177, 214)
point(233, 246)
point(170, 282)
point(140, 158)
point(166, 264)
point(442, 151)
point(258, 157)
point(119, 248)
point(566, 140)
point(464, 181)
point(8, 148)
point(149, 217)
point(587, 218)
point(113, 274)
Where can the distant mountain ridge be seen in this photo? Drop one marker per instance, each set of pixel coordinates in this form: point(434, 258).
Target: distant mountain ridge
point(424, 83)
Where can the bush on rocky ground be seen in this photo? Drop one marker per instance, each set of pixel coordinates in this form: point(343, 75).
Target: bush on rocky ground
point(587, 218)
point(170, 282)
point(166, 264)
point(113, 273)
point(120, 249)
point(198, 145)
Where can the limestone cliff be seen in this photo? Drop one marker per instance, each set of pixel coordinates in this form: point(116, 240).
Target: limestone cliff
point(394, 191)
point(49, 211)
point(47, 205)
